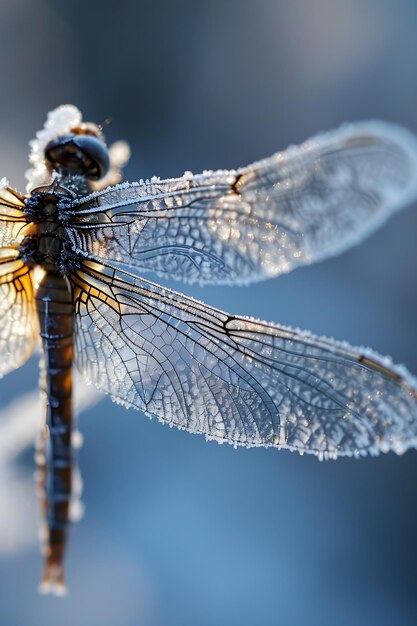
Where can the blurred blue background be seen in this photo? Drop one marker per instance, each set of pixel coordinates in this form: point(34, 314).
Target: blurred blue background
point(177, 531)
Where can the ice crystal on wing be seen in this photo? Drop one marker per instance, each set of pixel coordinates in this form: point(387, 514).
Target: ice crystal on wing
point(237, 379)
point(240, 226)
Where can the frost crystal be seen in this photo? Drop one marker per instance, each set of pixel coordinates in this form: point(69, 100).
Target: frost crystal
point(58, 122)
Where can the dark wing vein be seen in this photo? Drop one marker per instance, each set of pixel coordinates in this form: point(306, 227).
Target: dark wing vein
point(236, 379)
point(12, 219)
point(18, 320)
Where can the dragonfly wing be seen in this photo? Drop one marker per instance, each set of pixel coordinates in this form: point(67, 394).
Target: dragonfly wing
point(294, 208)
point(11, 215)
point(235, 379)
point(18, 320)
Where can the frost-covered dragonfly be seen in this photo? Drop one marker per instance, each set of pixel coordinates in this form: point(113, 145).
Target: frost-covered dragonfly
point(69, 257)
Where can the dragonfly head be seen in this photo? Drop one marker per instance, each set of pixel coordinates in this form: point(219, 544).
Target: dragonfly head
point(75, 150)
point(82, 151)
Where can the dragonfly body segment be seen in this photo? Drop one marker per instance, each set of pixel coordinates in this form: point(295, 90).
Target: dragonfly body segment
point(69, 260)
point(55, 457)
point(46, 247)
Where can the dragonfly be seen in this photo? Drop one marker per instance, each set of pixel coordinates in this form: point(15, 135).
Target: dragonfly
point(71, 253)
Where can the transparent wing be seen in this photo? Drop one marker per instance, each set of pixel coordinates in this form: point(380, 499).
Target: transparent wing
point(11, 215)
point(294, 208)
point(236, 379)
point(18, 320)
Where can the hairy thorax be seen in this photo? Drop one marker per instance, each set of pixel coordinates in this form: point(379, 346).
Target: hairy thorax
point(46, 242)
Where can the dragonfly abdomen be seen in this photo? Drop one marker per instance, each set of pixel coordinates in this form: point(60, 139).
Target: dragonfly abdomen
point(54, 308)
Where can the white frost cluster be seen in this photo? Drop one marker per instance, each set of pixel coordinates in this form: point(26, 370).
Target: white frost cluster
point(58, 122)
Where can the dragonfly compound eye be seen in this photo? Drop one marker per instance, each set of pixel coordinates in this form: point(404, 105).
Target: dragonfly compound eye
point(81, 154)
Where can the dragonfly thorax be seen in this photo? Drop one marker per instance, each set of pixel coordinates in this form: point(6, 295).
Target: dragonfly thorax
point(46, 241)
